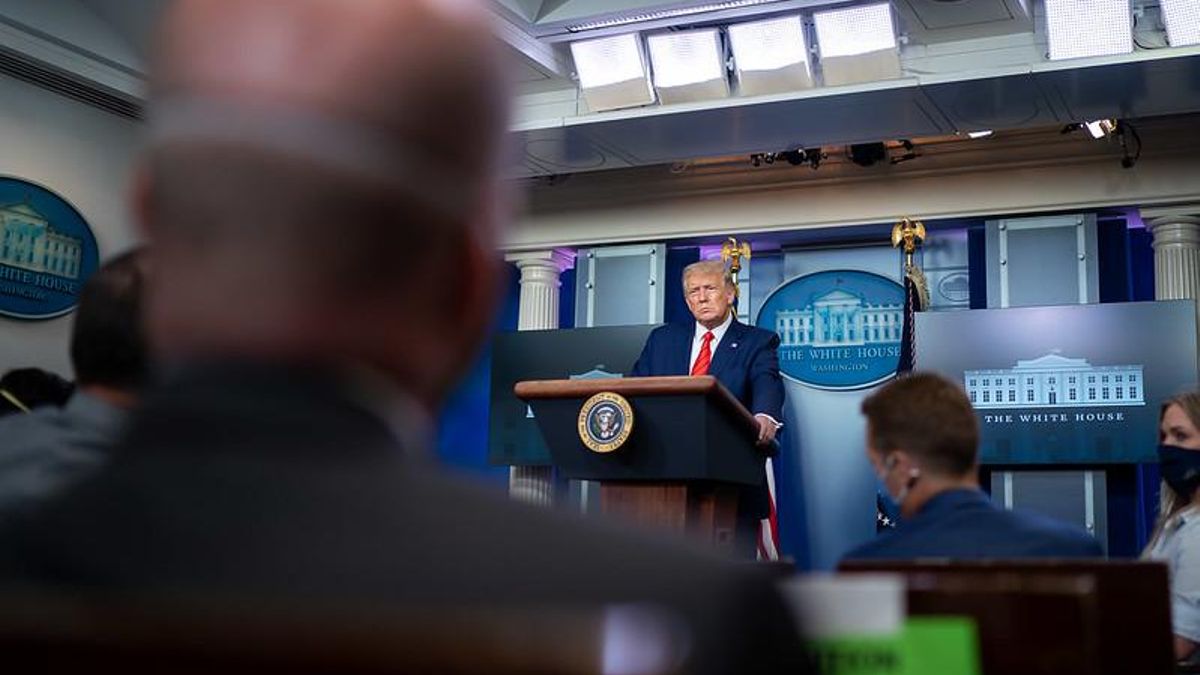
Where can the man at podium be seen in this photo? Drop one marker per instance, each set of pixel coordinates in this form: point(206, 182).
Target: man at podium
point(743, 358)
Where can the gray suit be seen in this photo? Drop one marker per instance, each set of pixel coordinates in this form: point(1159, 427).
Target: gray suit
point(45, 451)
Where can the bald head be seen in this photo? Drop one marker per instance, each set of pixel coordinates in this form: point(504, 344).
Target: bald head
point(314, 159)
point(418, 78)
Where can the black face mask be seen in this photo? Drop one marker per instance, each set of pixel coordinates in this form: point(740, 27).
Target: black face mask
point(1180, 468)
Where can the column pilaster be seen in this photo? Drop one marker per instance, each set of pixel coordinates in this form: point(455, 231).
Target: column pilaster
point(1176, 232)
point(541, 286)
point(1176, 256)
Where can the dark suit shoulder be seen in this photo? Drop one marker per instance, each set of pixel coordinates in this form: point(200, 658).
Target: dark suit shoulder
point(675, 328)
point(978, 529)
point(1052, 533)
point(878, 548)
point(760, 333)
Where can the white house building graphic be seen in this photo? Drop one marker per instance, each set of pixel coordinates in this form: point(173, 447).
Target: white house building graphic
point(28, 241)
point(839, 318)
point(1056, 381)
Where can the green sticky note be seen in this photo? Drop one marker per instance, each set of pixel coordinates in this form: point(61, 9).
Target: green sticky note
point(945, 645)
point(858, 655)
point(925, 646)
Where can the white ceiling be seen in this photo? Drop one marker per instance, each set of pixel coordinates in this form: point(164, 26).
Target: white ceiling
point(967, 66)
point(133, 20)
point(882, 111)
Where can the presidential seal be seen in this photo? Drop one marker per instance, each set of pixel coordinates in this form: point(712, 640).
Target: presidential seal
point(605, 422)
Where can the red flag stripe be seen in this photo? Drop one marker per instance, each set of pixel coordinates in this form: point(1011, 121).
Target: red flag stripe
point(768, 531)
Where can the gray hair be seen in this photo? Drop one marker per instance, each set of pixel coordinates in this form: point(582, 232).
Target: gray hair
point(708, 267)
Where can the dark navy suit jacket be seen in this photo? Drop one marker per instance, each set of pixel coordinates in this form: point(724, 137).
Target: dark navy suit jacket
point(964, 524)
point(746, 362)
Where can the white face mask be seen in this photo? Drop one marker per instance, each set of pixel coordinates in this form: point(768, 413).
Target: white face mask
point(913, 474)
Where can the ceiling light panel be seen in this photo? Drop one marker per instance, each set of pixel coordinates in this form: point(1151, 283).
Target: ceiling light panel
point(612, 72)
point(855, 30)
point(688, 65)
point(685, 58)
point(609, 60)
point(1080, 28)
point(1182, 19)
point(857, 44)
point(770, 56)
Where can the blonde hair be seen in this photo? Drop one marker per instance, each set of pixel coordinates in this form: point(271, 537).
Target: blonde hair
point(1168, 502)
point(708, 267)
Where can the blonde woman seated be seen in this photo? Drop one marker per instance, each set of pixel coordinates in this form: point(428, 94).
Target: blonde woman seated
point(1176, 539)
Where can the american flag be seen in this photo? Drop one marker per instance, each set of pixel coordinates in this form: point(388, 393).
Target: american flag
point(768, 530)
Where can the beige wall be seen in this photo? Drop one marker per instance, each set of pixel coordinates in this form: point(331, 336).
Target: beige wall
point(84, 155)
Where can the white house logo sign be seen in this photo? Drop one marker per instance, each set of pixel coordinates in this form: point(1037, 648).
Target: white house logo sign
point(838, 329)
point(47, 251)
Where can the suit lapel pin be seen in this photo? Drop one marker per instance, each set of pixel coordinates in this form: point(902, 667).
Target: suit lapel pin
point(733, 346)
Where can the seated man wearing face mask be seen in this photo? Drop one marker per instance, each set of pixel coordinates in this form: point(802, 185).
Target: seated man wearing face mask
point(922, 440)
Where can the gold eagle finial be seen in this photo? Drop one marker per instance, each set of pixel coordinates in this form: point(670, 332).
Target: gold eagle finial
point(732, 253)
point(909, 234)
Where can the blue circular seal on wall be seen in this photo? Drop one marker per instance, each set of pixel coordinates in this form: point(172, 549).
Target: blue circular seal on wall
point(47, 251)
point(839, 329)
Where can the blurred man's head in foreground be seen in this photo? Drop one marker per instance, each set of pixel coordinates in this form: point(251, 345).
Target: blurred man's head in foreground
point(322, 186)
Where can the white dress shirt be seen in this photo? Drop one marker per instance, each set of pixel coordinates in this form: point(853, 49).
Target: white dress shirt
point(698, 339)
point(1179, 546)
point(718, 333)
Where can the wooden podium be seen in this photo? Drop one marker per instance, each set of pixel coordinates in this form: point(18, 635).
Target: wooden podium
point(690, 450)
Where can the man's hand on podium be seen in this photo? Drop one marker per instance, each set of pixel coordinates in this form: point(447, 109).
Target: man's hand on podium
point(767, 427)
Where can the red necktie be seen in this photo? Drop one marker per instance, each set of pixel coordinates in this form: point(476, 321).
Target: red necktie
point(704, 358)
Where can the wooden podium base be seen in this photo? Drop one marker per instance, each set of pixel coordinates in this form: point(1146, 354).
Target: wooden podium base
point(706, 514)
